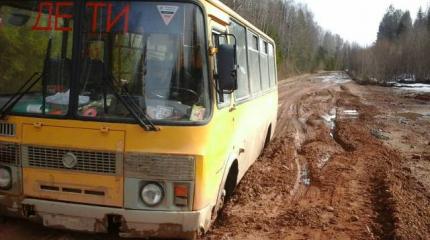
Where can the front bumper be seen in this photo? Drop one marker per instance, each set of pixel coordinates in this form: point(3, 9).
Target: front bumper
point(132, 223)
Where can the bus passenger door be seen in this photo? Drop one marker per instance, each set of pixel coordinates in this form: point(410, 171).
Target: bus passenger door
point(245, 120)
point(225, 116)
point(238, 137)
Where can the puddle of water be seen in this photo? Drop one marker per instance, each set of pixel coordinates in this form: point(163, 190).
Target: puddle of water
point(417, 87)
point(338, 78)
point(304, 176)
point(348, 114)
point(329, 120)
point(330, 117)
point(323, 160)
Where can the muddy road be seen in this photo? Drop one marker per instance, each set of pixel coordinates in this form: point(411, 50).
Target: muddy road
point(347, 162)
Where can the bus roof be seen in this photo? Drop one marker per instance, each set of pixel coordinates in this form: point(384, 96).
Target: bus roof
point(221, 6)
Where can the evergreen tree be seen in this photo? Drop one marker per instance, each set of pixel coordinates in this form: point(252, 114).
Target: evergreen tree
point(420, 20)
point(388, 28)
point(428, 19)
point(405, 24)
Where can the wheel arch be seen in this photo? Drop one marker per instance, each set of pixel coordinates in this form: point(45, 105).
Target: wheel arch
point(269, 135)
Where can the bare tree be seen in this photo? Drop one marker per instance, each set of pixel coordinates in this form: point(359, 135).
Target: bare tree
point(297, 35)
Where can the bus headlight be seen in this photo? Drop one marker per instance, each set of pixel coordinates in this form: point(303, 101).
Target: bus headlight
point(5, 178)
point(152, 194)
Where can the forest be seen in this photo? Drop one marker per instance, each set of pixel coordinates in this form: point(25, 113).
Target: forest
point(302, 45)
point(399, 53)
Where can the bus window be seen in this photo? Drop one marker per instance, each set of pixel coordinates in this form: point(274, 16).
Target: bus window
point(254, 63)
point(264, 65)
point(218, 39)
point(242, 73)
point(23, 53)
point(254, 42)
point(272, 66)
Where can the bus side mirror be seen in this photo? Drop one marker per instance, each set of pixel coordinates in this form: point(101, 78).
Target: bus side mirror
point(227, 67)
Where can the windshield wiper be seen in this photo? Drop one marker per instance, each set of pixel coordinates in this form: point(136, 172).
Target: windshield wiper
point(132, 107)
point(28, 85)
point(24, 89)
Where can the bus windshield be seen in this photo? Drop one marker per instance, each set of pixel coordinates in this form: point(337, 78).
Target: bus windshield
point(153, 53)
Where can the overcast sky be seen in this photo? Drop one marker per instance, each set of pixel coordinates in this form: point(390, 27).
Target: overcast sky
point(357, 20)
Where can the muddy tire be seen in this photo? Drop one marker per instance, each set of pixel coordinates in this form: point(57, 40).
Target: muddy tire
point(231, 181)
point(268, 137)
point(218, 207)
point(226, 192)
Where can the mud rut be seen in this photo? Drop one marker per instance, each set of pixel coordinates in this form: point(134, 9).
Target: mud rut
point(322, 179)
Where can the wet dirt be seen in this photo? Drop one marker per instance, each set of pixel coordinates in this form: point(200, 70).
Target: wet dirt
point(360, 187)
point(328, 173)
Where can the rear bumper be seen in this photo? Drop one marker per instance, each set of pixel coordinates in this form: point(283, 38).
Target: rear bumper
point(132, 223)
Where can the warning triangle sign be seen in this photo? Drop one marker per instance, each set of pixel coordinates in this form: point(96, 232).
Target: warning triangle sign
point(167, 13)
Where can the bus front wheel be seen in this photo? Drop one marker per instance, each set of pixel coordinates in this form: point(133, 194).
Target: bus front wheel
point(227, 191)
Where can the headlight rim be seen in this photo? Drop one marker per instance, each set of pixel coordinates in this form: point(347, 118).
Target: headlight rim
point(161, 197)
point(8, 170)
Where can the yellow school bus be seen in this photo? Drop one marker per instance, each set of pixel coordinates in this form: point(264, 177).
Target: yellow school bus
point(138, 118)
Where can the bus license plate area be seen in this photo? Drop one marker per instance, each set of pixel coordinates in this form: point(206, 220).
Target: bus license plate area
point(73, 223)
point(73, 187)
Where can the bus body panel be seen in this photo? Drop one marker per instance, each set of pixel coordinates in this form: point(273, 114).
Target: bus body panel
point(254, 118)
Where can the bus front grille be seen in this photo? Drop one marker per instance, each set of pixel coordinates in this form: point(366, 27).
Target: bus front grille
point(9, 153)
point(87, 161)
point(7, 129)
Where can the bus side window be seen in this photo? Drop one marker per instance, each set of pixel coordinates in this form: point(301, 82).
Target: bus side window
point(243, 91)
point(254, 63)
point(272, 66)
point(217, 40)
point(264, 64)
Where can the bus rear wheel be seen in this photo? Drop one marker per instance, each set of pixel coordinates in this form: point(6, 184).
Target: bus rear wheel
point(268, 137)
